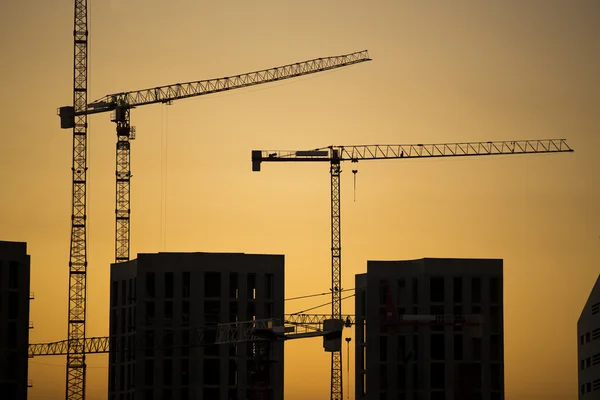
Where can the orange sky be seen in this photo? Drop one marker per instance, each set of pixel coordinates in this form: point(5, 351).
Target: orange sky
point(441, 72)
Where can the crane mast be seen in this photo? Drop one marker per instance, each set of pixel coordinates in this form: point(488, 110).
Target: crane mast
point(336, 272)
point(125, 133)
point(334, 155)
point(75, 376)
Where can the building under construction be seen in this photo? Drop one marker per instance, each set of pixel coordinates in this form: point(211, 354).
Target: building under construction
point(430, 329)
point(159, 301)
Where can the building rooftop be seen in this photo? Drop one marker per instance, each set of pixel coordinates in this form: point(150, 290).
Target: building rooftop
point(593, 297)
point(14, 246)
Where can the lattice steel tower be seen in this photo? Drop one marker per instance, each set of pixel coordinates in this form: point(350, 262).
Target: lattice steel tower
point(78, 258)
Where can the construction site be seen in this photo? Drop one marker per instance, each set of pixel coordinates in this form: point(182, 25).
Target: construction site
point(215, 318)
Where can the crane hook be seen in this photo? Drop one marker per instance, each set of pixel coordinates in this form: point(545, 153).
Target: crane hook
point(354, 171)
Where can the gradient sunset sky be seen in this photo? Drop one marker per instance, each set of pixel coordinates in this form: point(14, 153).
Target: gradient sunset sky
point(442, 71)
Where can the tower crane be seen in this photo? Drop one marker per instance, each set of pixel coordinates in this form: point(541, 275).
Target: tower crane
point(334, 155)
point(120, 104)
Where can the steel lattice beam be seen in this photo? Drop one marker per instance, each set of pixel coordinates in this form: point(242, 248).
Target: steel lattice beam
point(125, 133)
point(377, 152)
point(314, 319)
point(75, 379)
point(166, 94)
point(395, 151)
point(336, 273)
point(106, 344)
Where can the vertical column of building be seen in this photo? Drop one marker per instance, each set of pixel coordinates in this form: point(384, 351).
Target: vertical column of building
point(479, 371)
point(360, 344)
point(211, 361)
point(227, 362)
point(385, 336)
point(167, 328)
point(457, 339)
point(494, 314)
point(254, 350)
point(260, 364)
point(438, 337)
point(467, 348)
point(112, 331)
point(268, 308)
point(31, 298)
point(470, 373)
point(122, 328)
point(373, 333)
point(131, 334)
point(244, 350)
point(232, 309)
point(403, 348)
point(165, 336)
point(274, 308)
point(444, 343)
point(415, 360)
point(146, 364)
point(183, 280)
point(396, 338)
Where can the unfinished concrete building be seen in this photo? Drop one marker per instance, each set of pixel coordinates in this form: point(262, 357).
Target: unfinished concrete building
point(14, 319)
point(430, 361)
point(162, 301)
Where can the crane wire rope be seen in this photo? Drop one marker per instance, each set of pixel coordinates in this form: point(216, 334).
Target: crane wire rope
point(162, 167)
point(315, 295)
point(164, 145)
point(166, 172)
point(354, 171)
point(63, 365)
point(348, 367)
point(321, 305)
point(88, 153)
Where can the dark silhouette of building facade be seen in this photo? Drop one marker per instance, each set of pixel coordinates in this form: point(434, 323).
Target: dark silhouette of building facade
point(163, 299)
point(588, 346)
point(14, 319)
point(423, 361)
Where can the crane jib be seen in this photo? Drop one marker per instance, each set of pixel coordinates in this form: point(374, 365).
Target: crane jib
point(178, 91)
point(355, 153)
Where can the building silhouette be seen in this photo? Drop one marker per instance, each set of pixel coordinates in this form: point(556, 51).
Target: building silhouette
point(158, 300)
point(404, 360)
point(588, 346)
point(14, 319)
